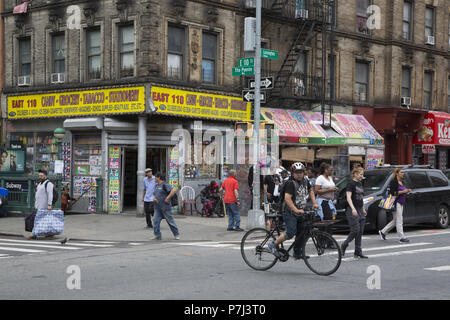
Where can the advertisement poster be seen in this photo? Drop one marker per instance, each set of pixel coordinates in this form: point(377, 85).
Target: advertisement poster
point(86, 187)
point(12, 161)
point(77, 103)
point(374, 158)
point(173, 167)
point(204, 105)
point(114, 179)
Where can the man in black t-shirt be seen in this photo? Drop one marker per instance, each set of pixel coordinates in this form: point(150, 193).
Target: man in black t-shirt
point(296, 194)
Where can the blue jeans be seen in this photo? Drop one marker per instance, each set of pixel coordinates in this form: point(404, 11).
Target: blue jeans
point(295, 227)
point(234, 217)
point(159, 215)
point(330, 204)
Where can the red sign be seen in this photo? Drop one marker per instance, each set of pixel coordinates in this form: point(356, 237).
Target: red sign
point(435, 130)
point(428, 149)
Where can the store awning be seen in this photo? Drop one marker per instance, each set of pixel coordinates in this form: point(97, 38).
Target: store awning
point(435, 129)
point(304, 127)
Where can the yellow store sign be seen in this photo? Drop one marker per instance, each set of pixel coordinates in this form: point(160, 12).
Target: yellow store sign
point(77, 103)
point(197, 104)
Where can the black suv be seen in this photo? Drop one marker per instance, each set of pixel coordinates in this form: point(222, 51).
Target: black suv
point(429, 201)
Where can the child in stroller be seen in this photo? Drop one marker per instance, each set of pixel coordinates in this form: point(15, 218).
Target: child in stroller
point(211, 200)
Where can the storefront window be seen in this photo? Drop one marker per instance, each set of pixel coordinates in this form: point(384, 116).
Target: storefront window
point(24, 142)
point(204, 170)
point(87, 164)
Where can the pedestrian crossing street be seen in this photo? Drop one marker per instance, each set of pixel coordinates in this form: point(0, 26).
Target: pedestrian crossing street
point(421, 243)
point(11, 247)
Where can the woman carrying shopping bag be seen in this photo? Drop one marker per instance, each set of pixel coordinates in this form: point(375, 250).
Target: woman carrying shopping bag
point(399, 190)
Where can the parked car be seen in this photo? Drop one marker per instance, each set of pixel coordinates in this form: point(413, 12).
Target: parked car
point(447, 173)
point(429, 201)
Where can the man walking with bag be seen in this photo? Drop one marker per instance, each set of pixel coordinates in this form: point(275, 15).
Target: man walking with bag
point(44, 195)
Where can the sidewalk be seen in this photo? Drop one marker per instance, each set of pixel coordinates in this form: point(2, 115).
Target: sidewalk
point(128, 227)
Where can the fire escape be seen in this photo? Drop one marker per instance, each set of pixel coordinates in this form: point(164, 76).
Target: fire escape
point(297, 84)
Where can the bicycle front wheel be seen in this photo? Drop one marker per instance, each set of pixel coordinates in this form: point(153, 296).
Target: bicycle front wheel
point(323, 253)
point(254, 249)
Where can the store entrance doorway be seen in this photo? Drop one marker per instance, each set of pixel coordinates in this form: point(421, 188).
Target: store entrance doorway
point(129, 178)
point(157, 160)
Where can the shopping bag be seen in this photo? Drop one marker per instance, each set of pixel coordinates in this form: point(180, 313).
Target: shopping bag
point(48, 223)
point(29, 222)
point(387, 203)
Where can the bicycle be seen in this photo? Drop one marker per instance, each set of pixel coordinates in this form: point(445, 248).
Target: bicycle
point(321, 252)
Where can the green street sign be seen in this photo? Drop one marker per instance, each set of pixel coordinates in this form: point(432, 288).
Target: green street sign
point(243, 71)
point(247, 62)
point(269, 54)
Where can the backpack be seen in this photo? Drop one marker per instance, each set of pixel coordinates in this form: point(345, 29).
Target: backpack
point(174, 199)
point(55, 193)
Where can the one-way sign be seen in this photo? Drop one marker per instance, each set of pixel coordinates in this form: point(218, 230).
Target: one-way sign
point(249, 96)
point(266, 83)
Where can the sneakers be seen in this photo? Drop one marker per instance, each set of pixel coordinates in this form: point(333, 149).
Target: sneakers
point(404, 240)
point(273, 248)
point(156, 238)
point(382, 235)
point(177, 237)
point(230, 229)
point(360, 255)
point(238, 229)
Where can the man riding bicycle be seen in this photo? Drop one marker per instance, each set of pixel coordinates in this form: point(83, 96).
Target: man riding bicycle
point(296, 194)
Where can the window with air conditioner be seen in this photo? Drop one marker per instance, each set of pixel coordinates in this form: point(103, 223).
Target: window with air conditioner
point(175, 52)
point(429, 26)
point(58, 58)
point(406, 86)
point(24, 78)
point(362, 16)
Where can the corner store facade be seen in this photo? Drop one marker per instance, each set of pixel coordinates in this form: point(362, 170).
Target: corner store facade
point(112, 135)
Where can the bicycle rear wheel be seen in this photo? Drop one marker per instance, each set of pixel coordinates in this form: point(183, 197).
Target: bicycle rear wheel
point(324, 253)
point(254, 249)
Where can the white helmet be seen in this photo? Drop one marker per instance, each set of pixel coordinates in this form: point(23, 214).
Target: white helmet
point(298, 166)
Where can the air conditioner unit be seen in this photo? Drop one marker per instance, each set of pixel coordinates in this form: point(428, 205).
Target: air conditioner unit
point(301, 14)
point(250, 4)
point(24, 81)
point(58, 78)
point(431, 40)
point(405, 101)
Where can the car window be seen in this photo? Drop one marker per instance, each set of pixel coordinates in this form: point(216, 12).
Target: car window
point(419, 179)
point(374, 181)
point(438, 179)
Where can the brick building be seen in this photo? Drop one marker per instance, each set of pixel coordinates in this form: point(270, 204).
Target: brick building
point(79, 53)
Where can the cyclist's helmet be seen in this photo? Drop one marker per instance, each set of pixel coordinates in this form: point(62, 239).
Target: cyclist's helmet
point(298, 166)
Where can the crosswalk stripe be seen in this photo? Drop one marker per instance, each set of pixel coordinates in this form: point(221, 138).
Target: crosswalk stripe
point(443, 268)
point(22, 250)
point(61, 247)
point(399, 253)
point(57, 243)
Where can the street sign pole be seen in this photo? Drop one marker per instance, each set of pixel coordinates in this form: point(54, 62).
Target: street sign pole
point(256, 127)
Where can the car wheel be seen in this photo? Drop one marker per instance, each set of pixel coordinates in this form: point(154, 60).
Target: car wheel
point(443, 217)
point(381, 219)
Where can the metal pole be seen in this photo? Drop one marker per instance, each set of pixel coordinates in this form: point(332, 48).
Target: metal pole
point(142, 158)
point(257, 110)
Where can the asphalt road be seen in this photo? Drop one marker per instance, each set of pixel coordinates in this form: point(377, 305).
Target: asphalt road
point(214, 270)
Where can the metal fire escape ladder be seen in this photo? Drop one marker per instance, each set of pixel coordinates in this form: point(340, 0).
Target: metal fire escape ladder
point(293, 56)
